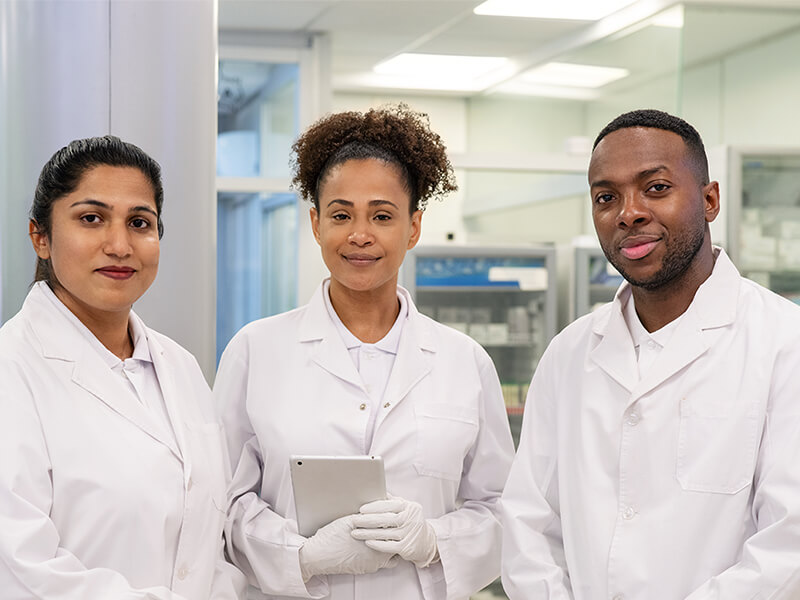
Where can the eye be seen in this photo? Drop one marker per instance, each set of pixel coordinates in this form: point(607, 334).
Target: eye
point(340, 217)
point(383, 217)
point(659, 187)
point(603, 198)
point(90, 219)
point(140, 223)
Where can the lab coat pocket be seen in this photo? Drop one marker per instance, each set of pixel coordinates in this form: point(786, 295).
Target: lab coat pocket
point(207, 447)
point(445, 433)
point(716, 446)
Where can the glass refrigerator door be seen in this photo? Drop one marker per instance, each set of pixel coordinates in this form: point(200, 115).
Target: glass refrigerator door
point(596, 280)
point(504, 298)
point(766, 227)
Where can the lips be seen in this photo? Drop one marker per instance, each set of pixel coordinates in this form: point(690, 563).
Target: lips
point(360, 259)
point(116, 272)
point(636, 247)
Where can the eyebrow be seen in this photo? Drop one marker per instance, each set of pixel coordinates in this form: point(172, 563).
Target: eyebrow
point(133, 209)
point(371, 203)
point(639, 175)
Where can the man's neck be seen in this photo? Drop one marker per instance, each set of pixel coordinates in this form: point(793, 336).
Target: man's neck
point(659, 307)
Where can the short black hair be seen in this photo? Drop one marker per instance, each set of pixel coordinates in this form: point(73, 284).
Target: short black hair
point(660, 120)
point(62, 175)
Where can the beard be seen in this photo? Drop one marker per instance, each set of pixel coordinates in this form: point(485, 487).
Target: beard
point(681, 251)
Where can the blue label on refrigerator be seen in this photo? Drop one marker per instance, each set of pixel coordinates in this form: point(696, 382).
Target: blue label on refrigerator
point(513, 272)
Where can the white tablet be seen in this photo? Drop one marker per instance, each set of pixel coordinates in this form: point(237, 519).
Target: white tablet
point(328, 487)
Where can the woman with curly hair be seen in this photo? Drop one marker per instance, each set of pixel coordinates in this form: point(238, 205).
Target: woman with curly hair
point(358, 371)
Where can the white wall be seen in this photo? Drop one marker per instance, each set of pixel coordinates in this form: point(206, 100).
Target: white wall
point(750, 97)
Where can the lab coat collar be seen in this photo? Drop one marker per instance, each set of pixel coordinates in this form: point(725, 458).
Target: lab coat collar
point(330, 352)
point(714, 306)
point(59, 340)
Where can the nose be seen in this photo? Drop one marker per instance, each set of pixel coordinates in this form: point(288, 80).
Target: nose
point(360, 236)
point(117, 242)
point(633, 211)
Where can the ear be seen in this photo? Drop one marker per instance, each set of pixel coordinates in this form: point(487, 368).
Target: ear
point(416, 229)
point(41, 245)
point(711, 200)
point(314, 216)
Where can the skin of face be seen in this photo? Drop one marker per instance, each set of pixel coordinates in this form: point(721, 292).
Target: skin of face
point(364, 226)
point(103, 245)
point(650, 210)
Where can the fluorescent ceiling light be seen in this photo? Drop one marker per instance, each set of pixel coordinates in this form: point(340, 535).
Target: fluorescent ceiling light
point(573, 75)
point(581, 10)
point(672, 17)
point(437, 71)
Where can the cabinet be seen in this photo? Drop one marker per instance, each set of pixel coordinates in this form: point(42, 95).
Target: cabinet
point(502, 297)
point(764, 217)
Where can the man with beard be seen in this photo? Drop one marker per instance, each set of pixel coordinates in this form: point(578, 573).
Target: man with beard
point(660, 451)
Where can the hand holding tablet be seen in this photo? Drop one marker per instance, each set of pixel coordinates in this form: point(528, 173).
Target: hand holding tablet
point(329, 487)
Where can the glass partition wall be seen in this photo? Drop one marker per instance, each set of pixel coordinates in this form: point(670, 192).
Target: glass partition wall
point(261, 110)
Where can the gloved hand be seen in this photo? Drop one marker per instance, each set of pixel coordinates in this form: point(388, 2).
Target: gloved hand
point(396, 526)
point(332, 551)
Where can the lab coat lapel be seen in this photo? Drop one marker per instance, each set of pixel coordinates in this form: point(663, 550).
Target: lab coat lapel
point(61, 341)
point(328, 349)
point(412, 363)
point(172, 396)
point(614, 353)
point(713, 306)
point(94, 376)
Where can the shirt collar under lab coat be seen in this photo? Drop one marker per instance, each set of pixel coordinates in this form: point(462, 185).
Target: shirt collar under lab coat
point(141, 350)
point(388, 343)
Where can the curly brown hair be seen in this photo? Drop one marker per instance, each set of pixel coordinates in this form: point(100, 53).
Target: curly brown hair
point(395, 134)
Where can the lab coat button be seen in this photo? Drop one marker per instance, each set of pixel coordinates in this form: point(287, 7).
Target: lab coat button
point(362, 406)
point(628, 513)
point(633, 419)
point(189, 485)
point(183, 573)
point(387, 405)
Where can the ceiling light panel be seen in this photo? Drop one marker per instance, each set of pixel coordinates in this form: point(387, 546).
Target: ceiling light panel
point(581, 10)
point(573, 75)
point(437, 71)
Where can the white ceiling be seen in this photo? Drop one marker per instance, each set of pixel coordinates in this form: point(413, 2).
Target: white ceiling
point(365, 32)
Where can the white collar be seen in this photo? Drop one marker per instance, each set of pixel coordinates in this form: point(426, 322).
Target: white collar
point(141, 350)
point(388, 343)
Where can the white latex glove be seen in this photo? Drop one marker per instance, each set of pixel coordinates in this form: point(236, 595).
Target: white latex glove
point(333, 551)
point(396, 526)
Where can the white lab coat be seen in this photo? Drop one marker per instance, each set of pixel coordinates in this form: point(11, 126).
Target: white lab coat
point(287, 385)
point(685, 484)
point(95, 501)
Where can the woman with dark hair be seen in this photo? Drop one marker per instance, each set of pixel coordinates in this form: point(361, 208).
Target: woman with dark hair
point(358, 371)
point(112, 465)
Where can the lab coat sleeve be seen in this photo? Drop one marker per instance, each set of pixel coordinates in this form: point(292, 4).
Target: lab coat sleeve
point(534, 565)
point(469, 537)
point(264, 545)
point(32, 562)
point(769, 566)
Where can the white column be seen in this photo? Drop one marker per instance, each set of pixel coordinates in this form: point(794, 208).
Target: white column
point(146, 72)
